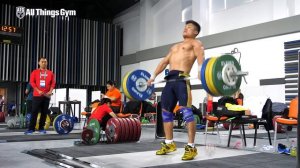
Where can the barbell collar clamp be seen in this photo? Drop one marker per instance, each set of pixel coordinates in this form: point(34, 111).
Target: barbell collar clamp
point(239, 73)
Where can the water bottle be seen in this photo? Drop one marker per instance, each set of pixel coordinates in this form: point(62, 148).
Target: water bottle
point(293, 149)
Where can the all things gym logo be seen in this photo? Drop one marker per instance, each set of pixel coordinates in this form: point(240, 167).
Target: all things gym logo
point(21, 12)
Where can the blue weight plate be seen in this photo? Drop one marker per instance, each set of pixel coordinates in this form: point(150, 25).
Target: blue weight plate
point(202, 72)
point(136, 85)
point(63, 124)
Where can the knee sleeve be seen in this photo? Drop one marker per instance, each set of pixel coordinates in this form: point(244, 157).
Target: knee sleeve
point(167, 116)
point(188, 115)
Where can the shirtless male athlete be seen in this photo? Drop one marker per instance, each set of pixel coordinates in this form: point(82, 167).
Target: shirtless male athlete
point(181, 58)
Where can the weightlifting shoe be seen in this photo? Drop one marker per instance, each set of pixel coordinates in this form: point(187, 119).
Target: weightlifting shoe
point(28, 132)
point(166, 148)
point(190, 153)
point(42, 131)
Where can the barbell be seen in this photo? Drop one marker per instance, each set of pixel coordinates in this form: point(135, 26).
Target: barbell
point(219, 76)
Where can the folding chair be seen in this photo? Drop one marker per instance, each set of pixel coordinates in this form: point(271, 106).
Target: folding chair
point(216, 122)
point(292, 119)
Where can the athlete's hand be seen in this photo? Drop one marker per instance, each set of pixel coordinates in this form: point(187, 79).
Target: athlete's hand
point(40, 92)
point(149, 82)
point(49, 94)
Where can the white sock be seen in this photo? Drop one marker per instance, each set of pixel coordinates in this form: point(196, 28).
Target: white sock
point(168, 141)
point(191, 144)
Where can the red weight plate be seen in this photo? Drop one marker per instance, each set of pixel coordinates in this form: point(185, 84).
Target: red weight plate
point(86, 136)
point(108, 131)
point(122, 128)
point(113, 130)
point(138, 123)
point(126, 132)
point(130, 130)
point(118, 129)
point(134, 128)
point(138, 134)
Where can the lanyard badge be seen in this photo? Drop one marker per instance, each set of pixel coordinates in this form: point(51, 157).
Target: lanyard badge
point(43, 77)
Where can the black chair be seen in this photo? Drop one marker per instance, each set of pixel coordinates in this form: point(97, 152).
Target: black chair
point(249, 120)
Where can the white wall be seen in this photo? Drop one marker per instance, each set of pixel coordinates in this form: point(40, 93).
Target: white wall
point(74, 94)
point(58, 95)
point(78, 95)
point(249, 14)
point(129, 20)
point(153, 23)
point(167, 22)
point(96, 95)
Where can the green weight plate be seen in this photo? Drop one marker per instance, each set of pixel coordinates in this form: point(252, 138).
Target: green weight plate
point(208, 76)
point(95, 126)
point(217, 77)
point(124, 86)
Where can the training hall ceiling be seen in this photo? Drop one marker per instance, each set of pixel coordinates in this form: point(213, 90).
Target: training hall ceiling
point(104, 10)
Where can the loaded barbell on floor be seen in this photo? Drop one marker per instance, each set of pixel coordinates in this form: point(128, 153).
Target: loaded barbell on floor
point(219, 76)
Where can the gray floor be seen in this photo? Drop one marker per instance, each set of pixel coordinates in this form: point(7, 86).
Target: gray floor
point(142, 153)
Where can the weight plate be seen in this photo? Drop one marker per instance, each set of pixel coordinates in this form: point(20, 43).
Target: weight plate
point(139, 129)
point(208, 76)
point(227, 72)
point(123, 131)
point(131, 127)
point(202, 72)
point(134, 128)
point(125, 90)
point(136, 85)
point(63, 124)
point(87, 136)
point(130, 130)
point(219, 71)
point(95, 127)
point(127, 132)
point(113, 130)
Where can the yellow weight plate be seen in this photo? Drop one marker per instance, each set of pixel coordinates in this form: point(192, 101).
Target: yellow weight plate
point(124, 85)
point(208, 76)
point(54, 121)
